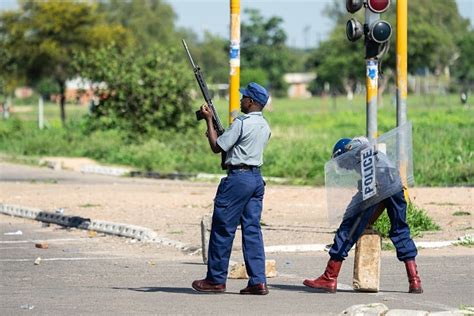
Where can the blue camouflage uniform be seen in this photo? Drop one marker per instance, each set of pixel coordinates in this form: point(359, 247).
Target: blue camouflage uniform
point(239, 199)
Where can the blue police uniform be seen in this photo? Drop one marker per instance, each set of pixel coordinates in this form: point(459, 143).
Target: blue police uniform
point(359, 212)
point(399, 231)
point(390, 185)
point(239, 199)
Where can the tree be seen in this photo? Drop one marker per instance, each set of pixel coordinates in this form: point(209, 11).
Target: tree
point(42, 36)
point(464, 65)
point(150, 21)
point(212, 55)
point(263, 47)
point(139, 93)
point(434, 29)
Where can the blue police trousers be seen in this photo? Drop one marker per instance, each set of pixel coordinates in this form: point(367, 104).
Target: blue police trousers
point(238, 200)
point(399, 230)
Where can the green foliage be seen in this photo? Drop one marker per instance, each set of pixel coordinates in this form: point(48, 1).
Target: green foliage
point(248, 75)
point(212, 56)
point(467, 241)
point(437, 35)
point(263, 46)
point(417, 219)
point(141, 93)
point(464, 65)
point(461, 213)
point(46, 87)
point(41, 37)
point(149, 21)
point(303, 133)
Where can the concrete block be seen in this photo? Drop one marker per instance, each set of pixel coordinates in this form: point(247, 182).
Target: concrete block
point(406, 312)
point(237, 270)
point(452, 313)
point(206, 224)
point(374, 309)
point(367, 262)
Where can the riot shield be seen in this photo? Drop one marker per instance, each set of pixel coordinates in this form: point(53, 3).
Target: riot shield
point(368, 174)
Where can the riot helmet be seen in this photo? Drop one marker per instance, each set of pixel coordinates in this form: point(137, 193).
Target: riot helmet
point(340, 147)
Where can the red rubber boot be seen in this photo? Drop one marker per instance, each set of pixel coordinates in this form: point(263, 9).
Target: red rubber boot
point(413, 278)
point(328, 280)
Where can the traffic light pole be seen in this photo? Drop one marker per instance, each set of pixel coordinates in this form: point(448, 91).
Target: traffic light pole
point(372, 79)
point(234, 59)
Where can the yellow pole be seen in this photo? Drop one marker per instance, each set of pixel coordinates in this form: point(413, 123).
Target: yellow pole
point(402, 90)
point(234, 57)
point(372, 81)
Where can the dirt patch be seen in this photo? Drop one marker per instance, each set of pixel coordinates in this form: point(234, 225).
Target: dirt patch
point(292, 214)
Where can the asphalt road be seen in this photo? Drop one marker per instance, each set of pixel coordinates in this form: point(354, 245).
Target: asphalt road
point(83, 274)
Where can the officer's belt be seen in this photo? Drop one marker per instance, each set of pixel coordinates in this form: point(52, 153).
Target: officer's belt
point(242, 167)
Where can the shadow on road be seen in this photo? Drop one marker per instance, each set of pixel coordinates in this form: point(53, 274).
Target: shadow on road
point(180, 290)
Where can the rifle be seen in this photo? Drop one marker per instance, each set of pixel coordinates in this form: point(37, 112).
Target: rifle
point(216, 122)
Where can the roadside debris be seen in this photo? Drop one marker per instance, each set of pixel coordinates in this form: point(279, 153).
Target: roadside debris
point(92, 233)
point(37, 261)
point(27, 306)
point(42, 245)
point(18, 232)
point(59, 210)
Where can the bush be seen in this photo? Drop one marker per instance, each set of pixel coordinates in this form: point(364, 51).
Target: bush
point(417, 219)
point(138, 92)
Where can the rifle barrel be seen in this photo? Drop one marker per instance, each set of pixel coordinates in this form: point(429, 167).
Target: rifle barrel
point(189, 54)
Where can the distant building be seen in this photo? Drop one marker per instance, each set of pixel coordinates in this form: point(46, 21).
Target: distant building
point(298, 84)
point(79, 90)
point(23, 92)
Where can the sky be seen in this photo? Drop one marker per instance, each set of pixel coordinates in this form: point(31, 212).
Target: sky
point(304, 21)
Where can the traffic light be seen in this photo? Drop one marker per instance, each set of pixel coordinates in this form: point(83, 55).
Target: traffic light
point(354, 30)
point(353, 6)
point(377, 32)
point(378, 6)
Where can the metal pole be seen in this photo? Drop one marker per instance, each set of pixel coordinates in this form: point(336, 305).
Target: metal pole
point(402, 53)
point(234, 57)
point(40, 113)
point(402, 90)
point(6, 108)
point(372, 78)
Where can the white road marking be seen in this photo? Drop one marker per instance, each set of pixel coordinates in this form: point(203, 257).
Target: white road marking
point(41, 240)
point(63, 259)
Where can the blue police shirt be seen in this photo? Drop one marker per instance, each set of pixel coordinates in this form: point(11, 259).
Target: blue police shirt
point(245, 140)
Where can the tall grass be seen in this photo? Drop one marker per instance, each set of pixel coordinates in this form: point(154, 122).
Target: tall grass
point(303, 133)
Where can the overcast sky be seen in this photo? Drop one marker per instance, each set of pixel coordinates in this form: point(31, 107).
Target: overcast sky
point(304, 21)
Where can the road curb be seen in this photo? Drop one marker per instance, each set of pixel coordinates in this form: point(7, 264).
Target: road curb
point(118, 229)
point(148, 235)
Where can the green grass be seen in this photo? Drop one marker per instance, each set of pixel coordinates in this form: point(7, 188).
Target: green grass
point(461, 213)
point(303, 133)
point(417, 219)
point(467, 241)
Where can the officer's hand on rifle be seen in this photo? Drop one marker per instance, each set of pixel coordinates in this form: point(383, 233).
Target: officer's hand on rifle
point(206, 112)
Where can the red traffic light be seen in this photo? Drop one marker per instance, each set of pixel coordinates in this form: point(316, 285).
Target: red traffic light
point(378, 6)
point(352, 6)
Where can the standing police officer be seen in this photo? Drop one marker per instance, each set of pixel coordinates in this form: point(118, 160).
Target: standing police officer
point(239, 195)
point(357, 217)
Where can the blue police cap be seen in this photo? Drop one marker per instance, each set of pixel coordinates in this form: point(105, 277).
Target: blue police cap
point(256, 92)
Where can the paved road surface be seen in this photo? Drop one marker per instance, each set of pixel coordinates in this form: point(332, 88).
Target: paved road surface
point(99, 275)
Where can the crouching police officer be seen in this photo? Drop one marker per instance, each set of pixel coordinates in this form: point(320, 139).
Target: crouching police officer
point(358, 216)
point(239, 196)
